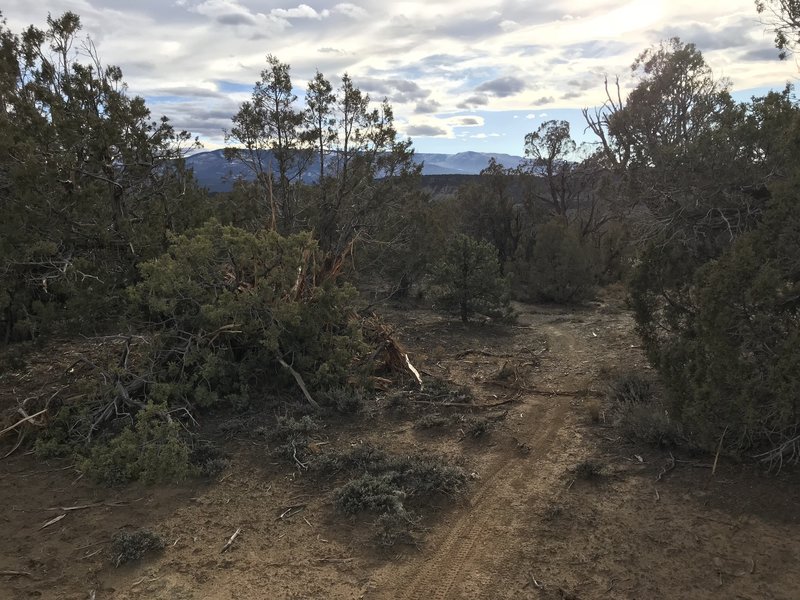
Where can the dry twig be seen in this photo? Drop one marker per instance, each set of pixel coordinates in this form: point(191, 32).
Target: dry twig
point(539, 585)
point(299, 379)
point(85, 506)
point(719, 449)
point(291, 511)
point(670, 464)
point(469, 351)
point(463, 404)
point(53, 521)
point(229, 543)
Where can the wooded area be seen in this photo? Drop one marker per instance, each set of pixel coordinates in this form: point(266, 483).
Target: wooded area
point(222, 301)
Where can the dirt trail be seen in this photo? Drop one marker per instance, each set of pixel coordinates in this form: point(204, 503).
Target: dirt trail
point(527, 529)
point(474, 552)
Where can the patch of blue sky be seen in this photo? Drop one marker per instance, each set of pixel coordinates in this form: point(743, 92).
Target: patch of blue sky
point(756, 92)
point(232, 87)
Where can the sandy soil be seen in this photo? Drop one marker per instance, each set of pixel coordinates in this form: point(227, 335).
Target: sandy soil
point(527, 528)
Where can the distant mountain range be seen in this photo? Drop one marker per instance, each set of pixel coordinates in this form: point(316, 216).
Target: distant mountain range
point(463, 163)
point(216, 174)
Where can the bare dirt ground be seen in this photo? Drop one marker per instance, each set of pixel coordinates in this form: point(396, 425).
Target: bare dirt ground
point(527, 527)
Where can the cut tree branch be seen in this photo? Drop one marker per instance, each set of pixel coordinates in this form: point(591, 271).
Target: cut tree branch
point(298, 378)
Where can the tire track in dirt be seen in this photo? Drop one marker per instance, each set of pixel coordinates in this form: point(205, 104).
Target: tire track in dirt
point(441, 571)
point(455, 554)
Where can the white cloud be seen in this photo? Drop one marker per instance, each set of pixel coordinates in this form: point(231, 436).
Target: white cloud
point(303, 11)
point(509, 25)
point(350, 10)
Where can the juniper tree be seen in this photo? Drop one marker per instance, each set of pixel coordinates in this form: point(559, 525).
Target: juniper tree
point(468, 279)
point(267, 133)
point(90, 182)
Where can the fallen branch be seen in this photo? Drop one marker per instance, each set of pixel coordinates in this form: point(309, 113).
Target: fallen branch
point(463, 404)
point(20, 438)
point(53, 521)
point(414, 371)
point(291, 511)
point(79, 507)
point(85, 506)
point(300, 464)
point(15, 574)
point(533, 581)
point(469, 351)
point(25, 420)
point(540, 392)
point(300, 382)
point(719, 449)
point(229, 543)
point(670, 464)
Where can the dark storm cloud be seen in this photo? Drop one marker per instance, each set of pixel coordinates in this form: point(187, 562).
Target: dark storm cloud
point(502, 87)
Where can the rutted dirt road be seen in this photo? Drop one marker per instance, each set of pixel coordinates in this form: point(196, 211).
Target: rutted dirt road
point(473, 554)
point(531, 529)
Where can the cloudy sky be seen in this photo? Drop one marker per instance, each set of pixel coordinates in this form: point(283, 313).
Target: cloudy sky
point(461, 75)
